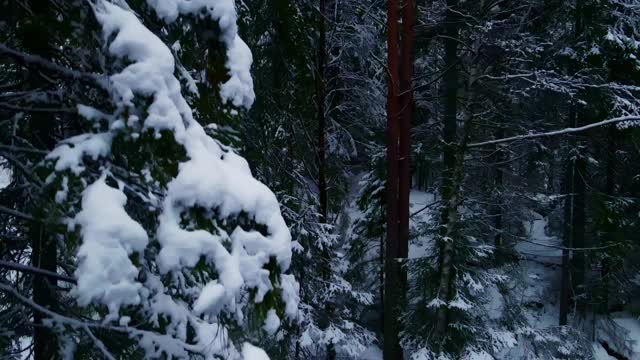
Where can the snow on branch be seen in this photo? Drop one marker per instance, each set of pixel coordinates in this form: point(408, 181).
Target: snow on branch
point(617, 120)
point(222, 243)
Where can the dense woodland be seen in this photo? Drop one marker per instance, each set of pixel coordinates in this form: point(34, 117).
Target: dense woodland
point(320, 179)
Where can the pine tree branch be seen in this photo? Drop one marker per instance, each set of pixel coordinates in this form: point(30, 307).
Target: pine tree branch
point(16, 213)
point(76, 323)
point(22, 167)
point(556, 132)
point(39, 62)
point(99, 344)
point(33, 270)
point(12, 148)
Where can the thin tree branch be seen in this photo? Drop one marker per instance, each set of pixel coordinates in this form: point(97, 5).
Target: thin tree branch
point(556, 132)
point(34, 270)
point(99, 344)
point(425, 207)
point(131, 331)
point(23, 149)
point(37, 61)
point(18, 214)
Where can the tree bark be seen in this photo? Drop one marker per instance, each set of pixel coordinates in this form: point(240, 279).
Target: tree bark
point(406, 109)
point(450, 169)
point(574, 263)
point(43, 245)
point(321, 102)
point(609, 227)
point(322, 161)
point(392, 349)
point(496, 207)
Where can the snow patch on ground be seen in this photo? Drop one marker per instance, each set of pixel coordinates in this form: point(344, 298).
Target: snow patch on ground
point(371, 353)
point(418, 200)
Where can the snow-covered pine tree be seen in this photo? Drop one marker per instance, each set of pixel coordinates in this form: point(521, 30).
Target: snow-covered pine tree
point(176, 249)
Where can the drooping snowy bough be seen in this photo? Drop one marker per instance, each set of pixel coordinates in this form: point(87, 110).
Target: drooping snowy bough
point(180, 247)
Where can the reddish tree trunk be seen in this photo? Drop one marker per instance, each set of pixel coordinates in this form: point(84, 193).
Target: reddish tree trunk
point(399, 108)
point(392, 350)
point(406, 108)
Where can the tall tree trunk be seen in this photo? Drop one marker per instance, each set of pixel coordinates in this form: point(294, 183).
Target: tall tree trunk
point(574, 262)
point(392, 349)
point(322, 161)
point(609, 226)
point(567, 243)
point(399, 111)
point(43, 244)
point(450, 168)
point(496, 207)
point(406, 109)
point(321, 101)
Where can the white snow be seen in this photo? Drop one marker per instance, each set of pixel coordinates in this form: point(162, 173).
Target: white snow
point(69, 155)
point(599, 353)
point(5, 177)
point(61, 195)
point(271, 323)
point(105, 272)
point(371, 353)
point(239, 88)
point(632, 325)
point(423, 245)
point(539, 274)
point(250, 352)
point(211, 299)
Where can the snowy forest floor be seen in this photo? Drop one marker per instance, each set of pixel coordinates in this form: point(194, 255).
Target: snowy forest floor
point(536, 281)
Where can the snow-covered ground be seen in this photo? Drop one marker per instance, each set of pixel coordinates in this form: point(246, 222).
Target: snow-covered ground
point(536, 281)
point(371, 353)
point(540, 273)
point(418, 200)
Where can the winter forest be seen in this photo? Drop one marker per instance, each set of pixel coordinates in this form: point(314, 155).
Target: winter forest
point(320, 179)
